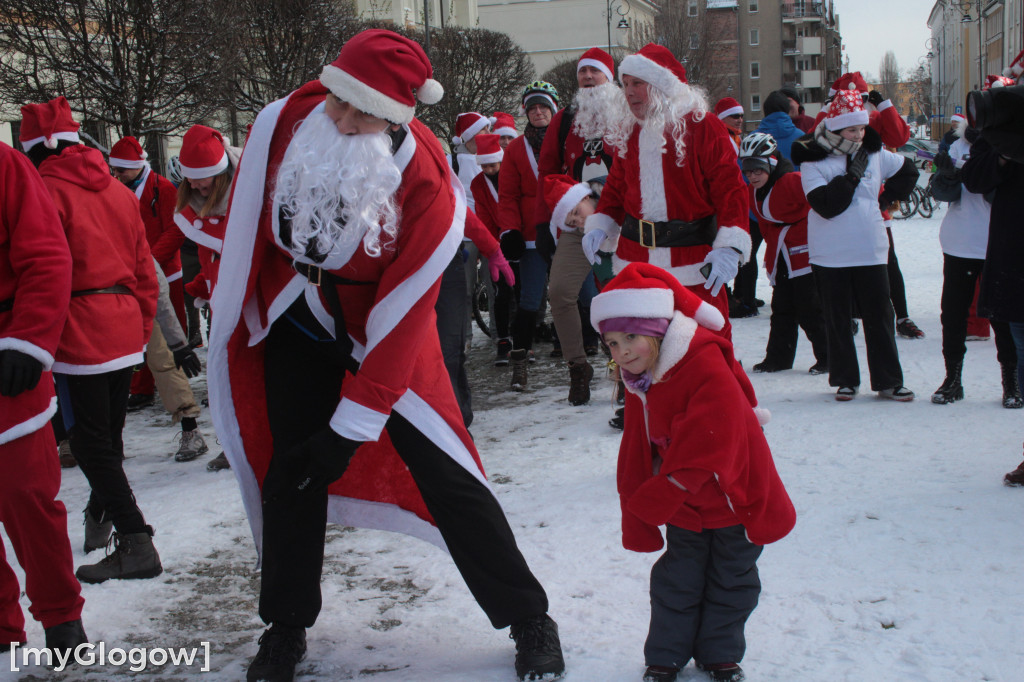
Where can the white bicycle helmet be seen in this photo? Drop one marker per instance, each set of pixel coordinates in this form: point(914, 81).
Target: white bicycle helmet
point(174, 171)
point(757, 144)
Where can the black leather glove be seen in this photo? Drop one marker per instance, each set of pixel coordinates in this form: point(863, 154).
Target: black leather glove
point(187, 361)
point(875, 97)
point(19, 372)
point(314, 464)
point(972, 134)
point(513, 245)
point(856, 165)
point(545, 242)
point(944, 163)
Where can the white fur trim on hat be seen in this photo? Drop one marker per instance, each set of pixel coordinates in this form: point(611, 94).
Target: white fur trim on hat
point(572, 196)
point(490, 158)
point(852, 118)
point(125, 163)
point(548, 98)
point(206, 171)
point(510, 132)
point(51, 141)
point(431, 92)
point(645, 69)
point(350, 89)
point(597, 64)
point(731, 112)
point(470, 132)
point(650, 304)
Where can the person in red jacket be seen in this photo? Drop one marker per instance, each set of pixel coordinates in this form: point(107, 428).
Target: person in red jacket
point(157, 196)
point(35, 285)
point(113, 304)
point(777, 199)
point(694, 459)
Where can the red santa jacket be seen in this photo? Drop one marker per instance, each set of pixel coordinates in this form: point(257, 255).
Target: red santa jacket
point(157, 198)
point(517, 190)
point(478, 233)
point(208, 234)
point(782, 215)
point(104, 331)
point(647, 184)
point(693, 453)
point(485, 193)
point(391, 323)
point(35, 286)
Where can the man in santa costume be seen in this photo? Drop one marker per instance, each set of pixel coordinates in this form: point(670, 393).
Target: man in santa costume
point(113, 303)
point(730, 112)
point(324, 360)
point(675, 196)
point(504, 127)
point(35, 284)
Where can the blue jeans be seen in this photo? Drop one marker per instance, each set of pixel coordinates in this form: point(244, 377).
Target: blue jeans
point(533, 274)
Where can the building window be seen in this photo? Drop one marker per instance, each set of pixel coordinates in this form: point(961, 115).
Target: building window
point(752, 7)
point(691, 8)
point(755, 37)
point(694, 41)
point(755, 102)
point(755, 70)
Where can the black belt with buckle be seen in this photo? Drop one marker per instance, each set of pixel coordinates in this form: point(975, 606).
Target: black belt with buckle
point(317, 276)
point(670, 233)
point(7, 305)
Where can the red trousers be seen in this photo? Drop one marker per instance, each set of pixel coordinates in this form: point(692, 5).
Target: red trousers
point(37, 526)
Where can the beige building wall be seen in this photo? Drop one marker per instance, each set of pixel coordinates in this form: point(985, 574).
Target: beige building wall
point(764, 17)
point(410, 12)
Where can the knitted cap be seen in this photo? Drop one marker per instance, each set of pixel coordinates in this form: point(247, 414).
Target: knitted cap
point(847, 109)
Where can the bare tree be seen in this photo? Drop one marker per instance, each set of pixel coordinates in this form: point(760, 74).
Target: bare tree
point(888, 75)
point(563, 76)
point(142, 67)
point(919, 86)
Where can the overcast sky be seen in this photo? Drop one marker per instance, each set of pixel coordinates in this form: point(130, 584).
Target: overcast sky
point(871, 27)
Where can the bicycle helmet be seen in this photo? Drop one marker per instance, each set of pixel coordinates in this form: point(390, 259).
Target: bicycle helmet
point(540, 92)
point(756, 150)
point(174, 171)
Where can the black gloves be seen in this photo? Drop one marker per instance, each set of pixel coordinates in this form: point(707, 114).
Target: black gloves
point(856, 165)
point(313, 465)
point(545, 242)
point(187, 361)
point(19, 372)
point(875, 97)
point(513, 245)
point(944, 163)
point(972, 134)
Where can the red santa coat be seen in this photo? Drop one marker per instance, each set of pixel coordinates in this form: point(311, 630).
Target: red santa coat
point(517, 190)
point(392, 325)
point(698, 423)
point(485, 193)
point(157, 198)
point(208, 234)
point(782, 215)
point(478, 233)
point(647, 184)
point(100, 216)
point(35, 282)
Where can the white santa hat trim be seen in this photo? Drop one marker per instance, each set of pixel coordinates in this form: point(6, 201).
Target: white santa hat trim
point(572, 196)
point(509, 132)
point(205, 172)
point(350, 89)
point(731, 112)
point(599, 65)
point(51, 141)
point(126, 163)
point(645, 69)
point(470, 132)
point(490, 158)
point(852, 118)
point(955, 118)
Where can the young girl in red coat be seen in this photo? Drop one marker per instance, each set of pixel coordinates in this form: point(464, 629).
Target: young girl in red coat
point(694, 459)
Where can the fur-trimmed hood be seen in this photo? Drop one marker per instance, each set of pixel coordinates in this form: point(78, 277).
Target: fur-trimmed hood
point(807, 149)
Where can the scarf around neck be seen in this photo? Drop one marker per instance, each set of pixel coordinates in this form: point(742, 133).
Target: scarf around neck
point(535, 137)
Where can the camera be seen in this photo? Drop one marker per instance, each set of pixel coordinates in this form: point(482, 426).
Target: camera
point(999, 114)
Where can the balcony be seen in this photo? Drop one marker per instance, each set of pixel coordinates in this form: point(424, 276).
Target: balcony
point(803, 10)
point(810, 45)
point(789, 48)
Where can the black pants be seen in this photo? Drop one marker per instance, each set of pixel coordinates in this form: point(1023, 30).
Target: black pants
point(959, 278)
point(795, 305)
point(867, 287)
point(303, 380)
point(744, 287)
point(189, 269)
point(451, 330)
point(897, 289)
point(94, 406)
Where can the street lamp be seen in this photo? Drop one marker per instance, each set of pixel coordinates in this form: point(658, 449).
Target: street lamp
point(620, 7)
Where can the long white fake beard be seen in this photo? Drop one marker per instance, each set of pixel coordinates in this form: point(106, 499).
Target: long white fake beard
point(664, 113)
point(336, 188)
point(598, 109)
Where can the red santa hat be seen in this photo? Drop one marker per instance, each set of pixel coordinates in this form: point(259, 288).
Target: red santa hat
point(956, 118)
point(504, 124)
point(1016, 67)
point(127, 153)
point(383, 74)
point(47, 123)
point(847, 109)
point(469, 124)
point(656, 65)
point(727, 106)
point(202, 153)
point(994, 81)
point(600, 60)
point(646, 292)
point(849, 81)
point(562, 193)
point(488, 148)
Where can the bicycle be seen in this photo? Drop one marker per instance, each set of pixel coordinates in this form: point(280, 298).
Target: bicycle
point(906, 207)
point(925, 204)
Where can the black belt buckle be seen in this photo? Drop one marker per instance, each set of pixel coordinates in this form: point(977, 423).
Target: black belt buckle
point(642, 227)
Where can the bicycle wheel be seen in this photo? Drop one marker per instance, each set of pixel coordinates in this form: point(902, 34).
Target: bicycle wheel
point(481, 306)
point(907, 207)
point(924, 203)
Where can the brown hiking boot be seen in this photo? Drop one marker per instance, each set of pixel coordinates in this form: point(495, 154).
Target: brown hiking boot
point(1015, 478)
point(518, 358)
point(67, 460)
point(580, 374)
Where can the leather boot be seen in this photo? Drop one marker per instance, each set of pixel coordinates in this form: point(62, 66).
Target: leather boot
point(1011, 388)
point(134, 557)
point(518, 358)
point(580, 374)
point(66, 637)
point(97, 531)
point(951, 389)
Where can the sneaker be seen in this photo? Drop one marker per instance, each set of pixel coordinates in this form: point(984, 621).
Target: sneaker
point(765, 367)
point(97, 531)
point(1015, 479)
point(591, 350)
point(976, 337)
point(619, 420)
point(846, 393)
point(518, 359)
point(660, 673)
point(538, 651)
point(134, 557)
point(281, 649)
point(137, 401)
point(900, 394)
point(818, 368)
point(580, 374)
point(908, 330)
point(63, 639)
point(218, 463)
point(67, 460)
point(742, 310)
point(191, 446)
point(723, 672)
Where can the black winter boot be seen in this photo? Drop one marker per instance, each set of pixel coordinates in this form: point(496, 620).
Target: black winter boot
point(951, 389)
point(97, 531)
point(1011, 388)
point(66, 637)
point(580, 374)
point(281, 649)
point(134, 557)
point(518, 358)
point(538, 651)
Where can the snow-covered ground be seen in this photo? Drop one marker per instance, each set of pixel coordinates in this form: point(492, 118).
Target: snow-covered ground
point(905, 562)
